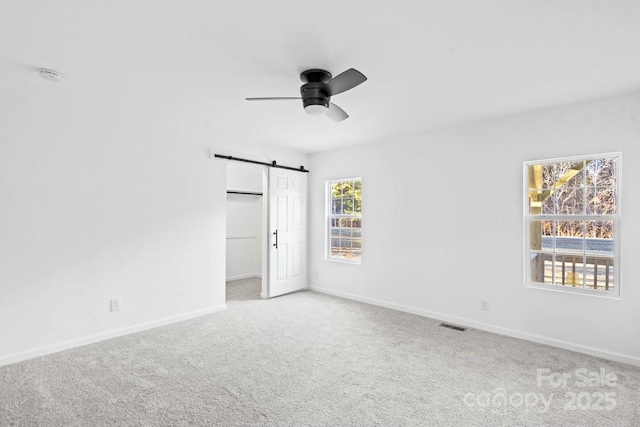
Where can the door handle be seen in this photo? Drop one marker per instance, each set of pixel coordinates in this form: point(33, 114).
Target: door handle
point(276, 243)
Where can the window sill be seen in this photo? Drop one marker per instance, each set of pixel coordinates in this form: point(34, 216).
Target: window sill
point(344, 261)
point(574, 291)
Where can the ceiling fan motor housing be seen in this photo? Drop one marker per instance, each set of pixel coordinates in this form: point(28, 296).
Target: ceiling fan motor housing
point(315, 90)
point(314, 94)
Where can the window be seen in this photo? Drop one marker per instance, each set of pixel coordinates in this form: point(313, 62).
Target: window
point(344, 213)
point(572, 209)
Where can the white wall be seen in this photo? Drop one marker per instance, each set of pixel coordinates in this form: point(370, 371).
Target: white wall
point(98, 203)
point(244, 221)
point(96, 206)
point(429, 200)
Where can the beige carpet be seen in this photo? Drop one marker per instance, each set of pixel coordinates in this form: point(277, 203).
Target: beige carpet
point(309, 359)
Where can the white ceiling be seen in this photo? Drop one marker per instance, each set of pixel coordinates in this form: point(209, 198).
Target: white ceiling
point(430, 64)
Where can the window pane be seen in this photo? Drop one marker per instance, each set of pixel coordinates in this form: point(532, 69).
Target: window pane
point(601, 201)
point(540, 181)
point(599, 237)
point(569, 174)
point(569, 201)
point(353, 240)
point(356, 242)
point(600, 273)
point(549, 203)
point(569, 228)
point(345, 242)
point(336, 207)
point(347, 206)
point(547, 233)
point(347, 189)
point(541, 201)
point(335, 242)
point(346, 222)
point(537, 267)
point(546, 175)
point(336, 190)
point(357, 194)
point(570, 237)
point(602, 173)
point(547, 261)
point(535, 236)
point(569, 269)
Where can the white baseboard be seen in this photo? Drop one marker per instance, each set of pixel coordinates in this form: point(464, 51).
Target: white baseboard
point(243, 276)
point(66, 345)
point(617, 357)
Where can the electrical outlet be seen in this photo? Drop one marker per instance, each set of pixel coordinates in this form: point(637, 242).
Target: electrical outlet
point(115, 304)
point(484, 305)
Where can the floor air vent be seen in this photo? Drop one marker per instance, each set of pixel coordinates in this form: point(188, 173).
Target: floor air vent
point(454, 327)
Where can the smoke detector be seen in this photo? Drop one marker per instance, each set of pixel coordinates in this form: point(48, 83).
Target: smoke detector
point(52, 76)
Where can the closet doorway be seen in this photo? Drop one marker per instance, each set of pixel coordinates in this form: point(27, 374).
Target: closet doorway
point(266, 240)
point(247, 212)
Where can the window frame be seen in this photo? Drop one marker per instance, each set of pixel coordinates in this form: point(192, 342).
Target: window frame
point(329, 216)
point(616, 220)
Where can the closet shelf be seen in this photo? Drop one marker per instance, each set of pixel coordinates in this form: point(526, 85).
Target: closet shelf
point(249, 193)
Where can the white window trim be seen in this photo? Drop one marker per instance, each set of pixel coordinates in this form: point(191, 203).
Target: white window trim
point(327, 223)
point(616, 294)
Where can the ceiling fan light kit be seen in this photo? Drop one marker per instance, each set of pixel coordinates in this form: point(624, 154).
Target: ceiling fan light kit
point(316, 109)
point(318, 88)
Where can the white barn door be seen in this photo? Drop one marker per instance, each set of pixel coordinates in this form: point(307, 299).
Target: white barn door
point(288, 231)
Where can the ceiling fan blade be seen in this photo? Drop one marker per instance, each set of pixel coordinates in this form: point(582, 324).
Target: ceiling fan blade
point(336, 113)
point(278, 98)
point(345, 81)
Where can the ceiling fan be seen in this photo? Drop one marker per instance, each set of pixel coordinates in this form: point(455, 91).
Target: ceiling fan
point(319, 87)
